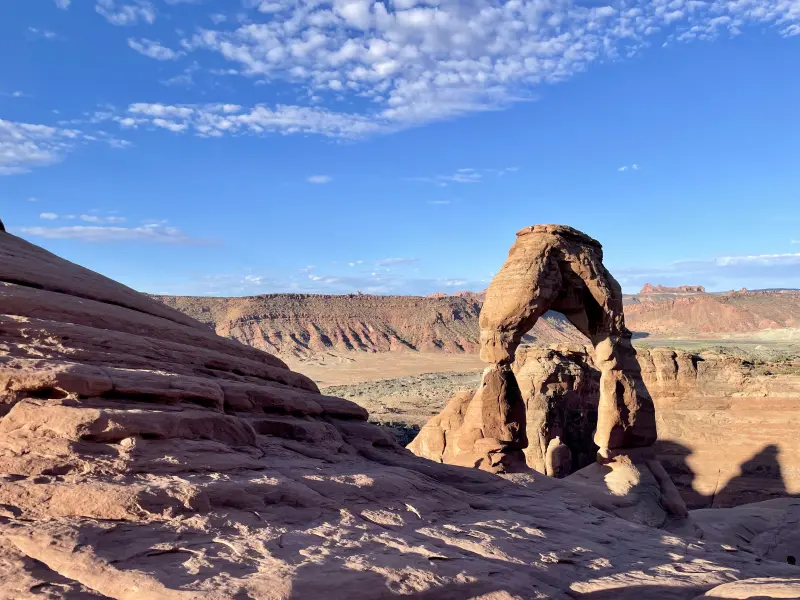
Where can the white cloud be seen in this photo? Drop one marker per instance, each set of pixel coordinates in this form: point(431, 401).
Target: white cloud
point(14, 94)
point(63, 4)
point(388, 262)
point(99, 219)
point(417, 62)
point(43, 33)
point(633, 167)
point(464, 175)
point(119, 13)
point(721, 273)
point(216, 120)
point(377, 281)
point(94, 233)
point(319, 179)
point(760, 259)
point(48, 215)
point(24, 146)
point(153, 49)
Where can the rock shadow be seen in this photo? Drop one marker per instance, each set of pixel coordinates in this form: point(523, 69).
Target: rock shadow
point(760, 478)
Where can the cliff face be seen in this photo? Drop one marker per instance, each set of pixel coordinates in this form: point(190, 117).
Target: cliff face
point(304, 326)
point(301, 326)
point(737, 312)
point(727, 433)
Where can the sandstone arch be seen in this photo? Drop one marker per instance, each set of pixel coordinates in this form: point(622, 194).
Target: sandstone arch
point(554, 267)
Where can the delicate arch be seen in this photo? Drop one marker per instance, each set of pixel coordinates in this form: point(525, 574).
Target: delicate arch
point(554, 267)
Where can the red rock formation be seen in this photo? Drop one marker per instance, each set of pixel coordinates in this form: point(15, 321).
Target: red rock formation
point(711, 315)
point(305, 325)
point(681, 289)
point(144, 458)
point(717, 417)
point(559, 268)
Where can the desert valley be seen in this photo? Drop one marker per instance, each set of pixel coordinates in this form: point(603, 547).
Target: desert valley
point(724, 369)
point(144, 456)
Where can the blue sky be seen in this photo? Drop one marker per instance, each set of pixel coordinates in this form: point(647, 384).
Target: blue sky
point(253, 146)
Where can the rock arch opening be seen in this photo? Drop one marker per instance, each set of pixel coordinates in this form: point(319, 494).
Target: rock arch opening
point(554, 267)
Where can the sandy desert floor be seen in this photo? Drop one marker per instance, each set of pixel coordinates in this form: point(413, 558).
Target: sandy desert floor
point(359, 367)
point(404, 390)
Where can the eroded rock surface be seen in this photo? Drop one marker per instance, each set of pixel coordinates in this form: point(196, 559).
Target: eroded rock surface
point(559, 268)
point(142, 457)
point(727, 429)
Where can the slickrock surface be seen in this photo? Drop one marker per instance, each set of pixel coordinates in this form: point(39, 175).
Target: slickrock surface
point(144, 458)
point(306, 326)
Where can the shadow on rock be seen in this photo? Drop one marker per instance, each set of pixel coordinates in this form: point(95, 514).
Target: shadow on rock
point(760, 478)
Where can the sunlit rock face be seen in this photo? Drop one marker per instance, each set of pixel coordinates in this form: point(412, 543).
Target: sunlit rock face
point(142, 457)
point(554, 267)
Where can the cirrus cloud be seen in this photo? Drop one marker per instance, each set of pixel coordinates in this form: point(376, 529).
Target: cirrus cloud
point(418, 61)
point(153, 232)
point(119, 13)
point(153, 49)
point(721, 273)
point(319, 179)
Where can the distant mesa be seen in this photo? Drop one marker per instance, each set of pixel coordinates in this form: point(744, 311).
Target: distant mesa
point(466, 294)
point(681, 289)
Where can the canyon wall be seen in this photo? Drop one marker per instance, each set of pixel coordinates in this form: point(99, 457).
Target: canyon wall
point(302, 325)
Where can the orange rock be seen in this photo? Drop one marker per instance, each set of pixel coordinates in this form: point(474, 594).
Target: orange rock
point(144, 458)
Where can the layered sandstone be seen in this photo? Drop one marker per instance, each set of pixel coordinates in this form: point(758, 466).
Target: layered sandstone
point(714, 314)
point(303, 326)
point(727, 430)
point(142, 457)
point(554, 267)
